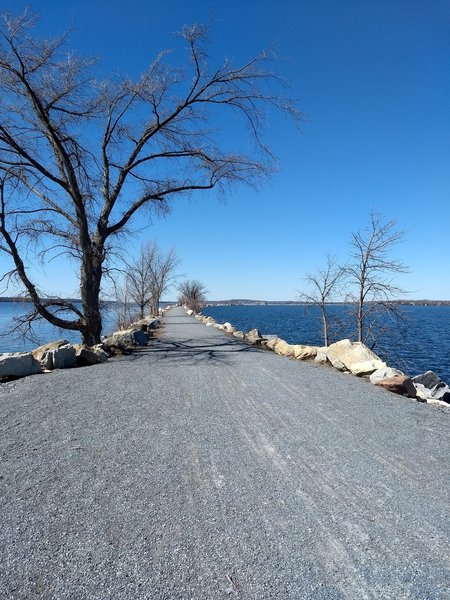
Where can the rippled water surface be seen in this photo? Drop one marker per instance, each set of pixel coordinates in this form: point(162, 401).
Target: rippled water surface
point(44, 332)
point(420, 343)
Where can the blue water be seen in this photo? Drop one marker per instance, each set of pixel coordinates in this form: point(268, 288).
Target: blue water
point(420, 343)
point(43, 331)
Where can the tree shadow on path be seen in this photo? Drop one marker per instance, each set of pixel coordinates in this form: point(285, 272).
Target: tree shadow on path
point(193, 351)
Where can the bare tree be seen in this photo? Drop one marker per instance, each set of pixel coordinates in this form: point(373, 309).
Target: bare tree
point(323, 285)
point(150, 276)
point(124, 308)
point(372, 272)
point(192, 294)
point(79, 159)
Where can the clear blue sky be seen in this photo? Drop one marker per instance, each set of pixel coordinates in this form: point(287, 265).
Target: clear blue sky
point(373, 79)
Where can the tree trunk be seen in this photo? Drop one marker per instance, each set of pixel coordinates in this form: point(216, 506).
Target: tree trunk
point(325, 325)
point(141, 310)
point(360, 318)
point(91, 277)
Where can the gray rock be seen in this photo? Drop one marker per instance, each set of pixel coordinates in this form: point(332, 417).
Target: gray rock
point(63, 357)
point(384, 373)
point(429, 379)
point(85, 356)
point(400, 384)
point(43, 353)
point(126, 338)
point(101, 354)
point(18, 364)
point(139, 337)
point(441, 393)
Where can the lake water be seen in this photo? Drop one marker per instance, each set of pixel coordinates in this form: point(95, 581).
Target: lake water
point(42, 329)
point(420, 343)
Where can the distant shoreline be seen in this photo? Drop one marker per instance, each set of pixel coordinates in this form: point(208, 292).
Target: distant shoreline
point(302, 303)
point(248, 302)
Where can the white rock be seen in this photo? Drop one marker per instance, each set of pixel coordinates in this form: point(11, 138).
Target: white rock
point(366, 367)
point(421, 391)
point(355, 357)
point(384, 373)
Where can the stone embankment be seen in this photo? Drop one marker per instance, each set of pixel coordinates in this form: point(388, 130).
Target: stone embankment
point(347, 356)
point(61, 354)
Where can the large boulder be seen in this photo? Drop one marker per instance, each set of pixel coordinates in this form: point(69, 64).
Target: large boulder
point(18, 364)
point(239, 335)
point(283, 348)
point(59, 354)
point(354, 357)
point(85, 356)
point(271, 342)
point(279, 346)
point(302, 352)
point(431, 386)
point(228, 327)
point(399, 384)
point(126, 338)
point(254, 337)
point(429, 379)
point(100, 352)
point(442, 394)
point(385, 373)
point(41, 352)
point(63, 357)
point(146, 324)
point(421, 392)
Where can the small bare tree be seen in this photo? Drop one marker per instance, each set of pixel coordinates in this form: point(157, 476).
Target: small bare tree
point(79, 160)
point(323, 285)
point(124, 308)
point(372, 272)
point(150, 276)
point(192, 294)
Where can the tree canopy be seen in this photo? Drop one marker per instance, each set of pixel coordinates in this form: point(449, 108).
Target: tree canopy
point(80, 156)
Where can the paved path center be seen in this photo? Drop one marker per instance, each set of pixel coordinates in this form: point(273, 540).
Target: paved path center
point(204, 468)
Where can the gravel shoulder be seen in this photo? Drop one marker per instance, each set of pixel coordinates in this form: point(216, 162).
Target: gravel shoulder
point(204, 468)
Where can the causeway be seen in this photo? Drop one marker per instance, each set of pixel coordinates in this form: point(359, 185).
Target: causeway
point(204, 468)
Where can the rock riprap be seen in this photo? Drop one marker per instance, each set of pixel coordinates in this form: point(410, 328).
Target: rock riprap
point(350, 357)
point(60, 354)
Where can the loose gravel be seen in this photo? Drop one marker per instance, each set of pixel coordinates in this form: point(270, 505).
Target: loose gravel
point(203, 468)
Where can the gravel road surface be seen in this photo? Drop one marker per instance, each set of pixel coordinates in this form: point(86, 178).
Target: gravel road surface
point(203, 468)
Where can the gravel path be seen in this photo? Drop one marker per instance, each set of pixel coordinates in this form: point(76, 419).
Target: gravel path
point(202, 468)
